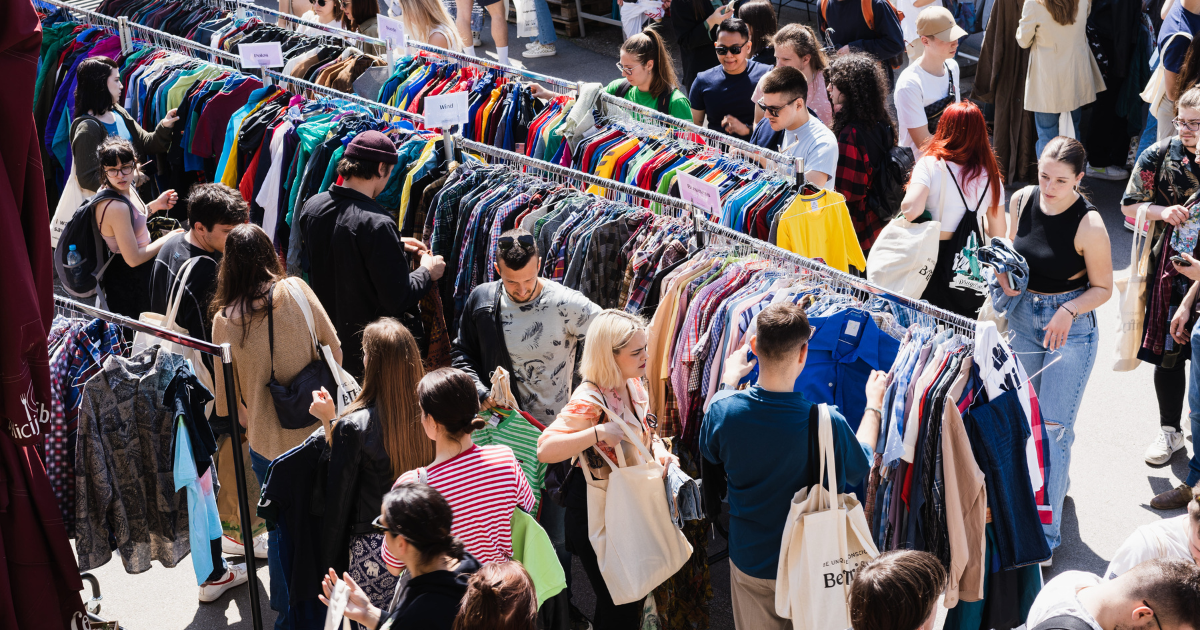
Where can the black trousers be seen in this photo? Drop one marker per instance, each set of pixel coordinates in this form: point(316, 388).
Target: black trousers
point(127, 289)
point(1170, 385)
point(608, 616)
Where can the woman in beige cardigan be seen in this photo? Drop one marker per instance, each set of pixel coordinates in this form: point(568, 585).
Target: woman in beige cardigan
point(1063, 75)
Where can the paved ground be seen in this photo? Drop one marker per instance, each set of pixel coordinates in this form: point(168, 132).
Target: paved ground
point(1109, 495)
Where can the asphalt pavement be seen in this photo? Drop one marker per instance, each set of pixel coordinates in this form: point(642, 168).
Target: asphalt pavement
point(1109, 496)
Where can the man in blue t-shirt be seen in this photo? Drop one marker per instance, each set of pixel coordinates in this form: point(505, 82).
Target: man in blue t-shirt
point(725, 94)
point(761, 436)
point(1181, 23)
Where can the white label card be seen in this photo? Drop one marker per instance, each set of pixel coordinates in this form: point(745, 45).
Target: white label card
point(265, 55)
point(704, 194)
point(391, 31)
point(444, 110)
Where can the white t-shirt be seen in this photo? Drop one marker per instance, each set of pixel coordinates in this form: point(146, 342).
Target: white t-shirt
point(1060, 596)
point(816, 143)
point(908, 25)
point(929, 173)
point(916, 88)
point(1167, 538)
point(311, 16)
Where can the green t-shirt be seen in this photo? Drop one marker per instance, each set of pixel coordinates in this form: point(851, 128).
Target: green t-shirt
point(511, 429)
point(679, 106)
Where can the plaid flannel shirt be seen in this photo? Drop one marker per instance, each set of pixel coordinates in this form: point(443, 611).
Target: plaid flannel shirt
point(853, 180)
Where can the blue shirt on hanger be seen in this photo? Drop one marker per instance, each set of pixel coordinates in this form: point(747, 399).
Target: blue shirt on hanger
point(843, 349)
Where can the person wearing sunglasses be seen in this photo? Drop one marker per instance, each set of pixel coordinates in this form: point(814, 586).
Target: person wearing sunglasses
point(415, 521)
point(1154, 595)
point(358, 264)
point(122, 223)
point(325, 13)
point(722, 94)
point(784, 102)
point(1164, 178)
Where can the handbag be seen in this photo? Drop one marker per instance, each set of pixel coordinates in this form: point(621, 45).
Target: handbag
point(347, 387)
point(292, 400)
point(72, 195)
point(142, 340)
point(825, 540)
point(934, 110)
point(904, 256)
point(1131, 309)
point(636, 544)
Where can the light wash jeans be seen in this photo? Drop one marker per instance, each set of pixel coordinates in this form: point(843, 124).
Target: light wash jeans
point(1066, 375)
point(546, 34)
point(1047, 127)
point(279, 590)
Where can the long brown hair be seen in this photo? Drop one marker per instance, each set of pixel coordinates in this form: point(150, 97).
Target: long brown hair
point(760, 17)
point(360, 11)
point(249, 268)
point(393, 369)
point(500, 596)
point(649, 46)
point(1063, 11)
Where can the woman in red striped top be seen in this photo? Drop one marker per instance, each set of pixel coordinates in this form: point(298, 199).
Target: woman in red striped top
point(482, 484)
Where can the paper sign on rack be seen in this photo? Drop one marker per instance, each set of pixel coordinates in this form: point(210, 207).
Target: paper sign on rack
point(391, 31)
point(264, 55)
point(705, 195)
point(444, 110)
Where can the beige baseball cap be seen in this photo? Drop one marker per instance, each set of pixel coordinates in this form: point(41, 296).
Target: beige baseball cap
point(938, 22)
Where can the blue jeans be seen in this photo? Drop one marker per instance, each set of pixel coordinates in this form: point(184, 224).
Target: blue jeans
point(1193, 477)
point(1047, 127)
point(546, 34)
point(1068, 369)
point(279, 592)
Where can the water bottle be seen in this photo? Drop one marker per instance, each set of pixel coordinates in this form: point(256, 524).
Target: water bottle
point(73, 262)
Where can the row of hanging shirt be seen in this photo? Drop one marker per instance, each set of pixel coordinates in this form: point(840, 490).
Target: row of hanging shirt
point(127, 431)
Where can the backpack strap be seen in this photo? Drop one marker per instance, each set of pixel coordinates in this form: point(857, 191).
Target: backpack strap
point(623, 88)
point(868, 11)
point(664, 101)
point(1063, 622)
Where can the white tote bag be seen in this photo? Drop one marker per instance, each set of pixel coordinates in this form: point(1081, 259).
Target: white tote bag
point(637, 546)
point(1156, 87)
point(141, 341)
point(72, 197)
point(1131, 311)
point(825, 539)
point(348, 388)
point(904, 256)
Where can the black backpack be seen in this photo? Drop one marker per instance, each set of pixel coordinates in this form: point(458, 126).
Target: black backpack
point(664, 100)
point(81, 280)
point(890, 177)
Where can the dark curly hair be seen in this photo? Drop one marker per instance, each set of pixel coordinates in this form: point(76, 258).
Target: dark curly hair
point(864, 88)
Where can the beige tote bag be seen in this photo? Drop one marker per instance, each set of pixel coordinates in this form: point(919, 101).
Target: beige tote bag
point(825, 539)
point(1131, 310)
point(637, 546)
point(903, 257)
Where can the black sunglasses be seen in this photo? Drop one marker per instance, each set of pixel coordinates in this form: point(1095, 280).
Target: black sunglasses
point(1147, 604)
point(506, 242)
point(383, 529)
point(773, 112)
point(737, 49)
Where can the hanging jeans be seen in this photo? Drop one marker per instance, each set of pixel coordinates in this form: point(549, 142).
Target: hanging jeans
point(1193, 477)
point(1047, 127)
point(1068, 368)
point(279, 592)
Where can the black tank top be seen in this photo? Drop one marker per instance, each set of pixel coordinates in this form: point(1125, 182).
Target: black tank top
point(1048, 245)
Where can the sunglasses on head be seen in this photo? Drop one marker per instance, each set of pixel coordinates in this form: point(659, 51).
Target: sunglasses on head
point(383, 529)
point(773, 112)
point(506, 242)
point(731, 50)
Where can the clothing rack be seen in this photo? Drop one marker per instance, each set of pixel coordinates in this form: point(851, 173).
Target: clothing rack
point(557, 85)
point(222, 353)
point(379, 109)
point(853, 285)
point(614, 189)
point(777, 162)
point(244, 9)
point(88, 16)
point(180, 44)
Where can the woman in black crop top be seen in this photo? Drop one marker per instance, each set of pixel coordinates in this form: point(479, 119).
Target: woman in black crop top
point(1063, 239)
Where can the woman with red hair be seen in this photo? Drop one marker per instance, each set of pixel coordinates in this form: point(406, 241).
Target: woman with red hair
point(957, 183)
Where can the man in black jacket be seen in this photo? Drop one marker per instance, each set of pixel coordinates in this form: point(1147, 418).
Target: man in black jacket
point(356, 260)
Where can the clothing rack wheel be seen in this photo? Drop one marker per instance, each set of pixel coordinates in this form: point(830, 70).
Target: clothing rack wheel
point(223, 353)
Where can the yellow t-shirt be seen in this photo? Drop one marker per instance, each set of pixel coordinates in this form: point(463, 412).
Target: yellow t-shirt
point(818, 226)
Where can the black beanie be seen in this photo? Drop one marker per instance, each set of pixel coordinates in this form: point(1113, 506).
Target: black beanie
point(372, 146)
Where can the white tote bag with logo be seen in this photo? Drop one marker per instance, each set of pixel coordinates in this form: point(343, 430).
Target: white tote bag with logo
point(348, 388)
point(902, 259)
point(637, 546)
point(1131, 309)
point(825, 539)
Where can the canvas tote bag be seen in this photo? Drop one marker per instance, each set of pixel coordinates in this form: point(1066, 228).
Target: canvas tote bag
point(825, 539)
point(1131, 309)
point(637, 546)
point(904, 256)
point(348, 388)
point(141, 341)
point(1156, 87)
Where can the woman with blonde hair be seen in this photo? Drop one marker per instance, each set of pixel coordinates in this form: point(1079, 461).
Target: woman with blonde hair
point(376, 439)
point(612, 367)
point(1063, 74)
point(428, 22)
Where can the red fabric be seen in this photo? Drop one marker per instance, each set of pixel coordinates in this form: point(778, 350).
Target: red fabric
point(26, 284)
point(854, 172)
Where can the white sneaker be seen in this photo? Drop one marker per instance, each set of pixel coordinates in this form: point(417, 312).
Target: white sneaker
point(234, 548)
point(1169, 440)
point(234, 575)
point(475, 40)
point(539, 50)
point(531, 44)
point(1111, 173)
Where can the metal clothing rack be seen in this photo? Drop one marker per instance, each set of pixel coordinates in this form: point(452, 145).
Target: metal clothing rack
point(851, 284)
point(771, 160)
point(223, 354)
point(293, 22)
point(88, 16)
point(179, 44)
point(378, 109)
point(558, 85)
point(613, 189)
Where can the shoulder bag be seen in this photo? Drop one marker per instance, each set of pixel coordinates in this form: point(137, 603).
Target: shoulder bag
point(73, 194)
point(1156, 87)
point(904, 256)
point(1133, 287)
point(825, 540)
point(934, 110)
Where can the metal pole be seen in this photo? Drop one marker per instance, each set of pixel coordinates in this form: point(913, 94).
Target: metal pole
point(239, 469)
